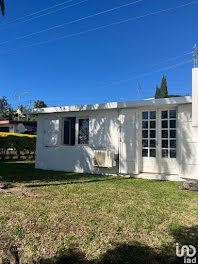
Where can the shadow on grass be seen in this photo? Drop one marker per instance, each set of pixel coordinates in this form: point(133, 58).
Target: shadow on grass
point(25, 173)
point(70, 182)
point(121, 254)
point(186, 235)
point(135, 253)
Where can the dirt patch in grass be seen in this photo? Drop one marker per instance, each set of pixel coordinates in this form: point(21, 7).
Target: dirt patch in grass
point(22, 191)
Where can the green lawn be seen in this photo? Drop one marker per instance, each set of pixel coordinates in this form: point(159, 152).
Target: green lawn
point(94, 219)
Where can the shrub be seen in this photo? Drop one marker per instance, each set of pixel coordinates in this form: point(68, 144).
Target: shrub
point(5, 134)
point(17, 145)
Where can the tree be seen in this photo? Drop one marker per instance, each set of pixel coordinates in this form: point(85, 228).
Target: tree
point(3, 103)
point(163, 88)
point(2, 6)
point(39, 104)
point(157, 92)
point(6, 111)
point(162, 92)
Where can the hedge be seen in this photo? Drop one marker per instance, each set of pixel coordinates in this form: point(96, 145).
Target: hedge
point(14, 146)
point(5, 134)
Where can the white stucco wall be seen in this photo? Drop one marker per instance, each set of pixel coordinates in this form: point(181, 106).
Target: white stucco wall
point(78, 158)
point(122, 135)
point(129, 142)
point(188, 146)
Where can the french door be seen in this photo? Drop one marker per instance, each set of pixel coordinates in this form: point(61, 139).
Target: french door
point(159, 141)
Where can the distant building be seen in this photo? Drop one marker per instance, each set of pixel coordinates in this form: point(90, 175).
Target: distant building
point(12, 126)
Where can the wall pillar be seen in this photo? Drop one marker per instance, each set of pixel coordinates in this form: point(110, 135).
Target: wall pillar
point(195, 97)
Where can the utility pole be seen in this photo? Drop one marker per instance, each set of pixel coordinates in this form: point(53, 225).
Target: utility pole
point(30, 105)
point(139, 91)
point(195, 56)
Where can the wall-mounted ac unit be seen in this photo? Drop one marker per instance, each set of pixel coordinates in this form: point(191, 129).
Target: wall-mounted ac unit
point(104, 159)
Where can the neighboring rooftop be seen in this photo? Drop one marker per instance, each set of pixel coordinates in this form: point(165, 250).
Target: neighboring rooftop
point(113, 105)
point(12, 122)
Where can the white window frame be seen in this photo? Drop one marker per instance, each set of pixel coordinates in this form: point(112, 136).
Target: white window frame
point(46, 130)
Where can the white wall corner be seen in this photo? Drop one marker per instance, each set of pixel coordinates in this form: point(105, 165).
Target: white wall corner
point(195, 97)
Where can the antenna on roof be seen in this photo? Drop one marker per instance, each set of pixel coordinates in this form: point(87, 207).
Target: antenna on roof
point(19, 96)
point(195, 56)
point(139, 91)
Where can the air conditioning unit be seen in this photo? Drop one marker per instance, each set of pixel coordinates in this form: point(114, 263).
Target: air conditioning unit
point(104, 159)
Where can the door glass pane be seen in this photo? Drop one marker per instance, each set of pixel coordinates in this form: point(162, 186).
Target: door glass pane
point(164, 133)
point(153, 153)
point(165, 124)
point(152, 124)
point(172, 143)
point(173, 153)
point(144, 115)
point(152, 143)
point(153, 115)
point(172, 133)
point(144, 133)
point(144, 124)
point(164, 143)
point(152, 134)
point(164, 114)
point(145, 143)
point(164, 153)
point(172, 123)
point(145, 153)
point(172, 114)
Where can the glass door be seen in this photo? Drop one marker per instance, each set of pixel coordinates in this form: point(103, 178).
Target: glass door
point(168, 134)
point(159, 141)
point(149, 134)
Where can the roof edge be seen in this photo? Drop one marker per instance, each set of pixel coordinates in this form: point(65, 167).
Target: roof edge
point(112, 105)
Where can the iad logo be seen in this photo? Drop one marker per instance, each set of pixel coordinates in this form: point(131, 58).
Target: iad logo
point(186, 253)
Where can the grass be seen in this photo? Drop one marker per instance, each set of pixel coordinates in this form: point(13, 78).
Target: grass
point(94, 219)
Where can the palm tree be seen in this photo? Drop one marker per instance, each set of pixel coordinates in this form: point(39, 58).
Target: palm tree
point(2, 6)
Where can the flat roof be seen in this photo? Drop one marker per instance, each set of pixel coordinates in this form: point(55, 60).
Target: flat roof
point(113, 105)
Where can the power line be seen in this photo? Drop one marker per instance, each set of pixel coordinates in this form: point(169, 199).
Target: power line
point(73, 21)
point(173, 58)
point(49, 13)
point(106, 26)
point(147, 74)
point(40, 11)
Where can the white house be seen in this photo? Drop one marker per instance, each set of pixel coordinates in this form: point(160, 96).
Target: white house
point(154, 139)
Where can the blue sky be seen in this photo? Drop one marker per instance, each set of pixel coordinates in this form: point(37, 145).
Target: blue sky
point(98, 66)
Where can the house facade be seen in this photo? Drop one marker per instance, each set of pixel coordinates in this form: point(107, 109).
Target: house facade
point(152, 139)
